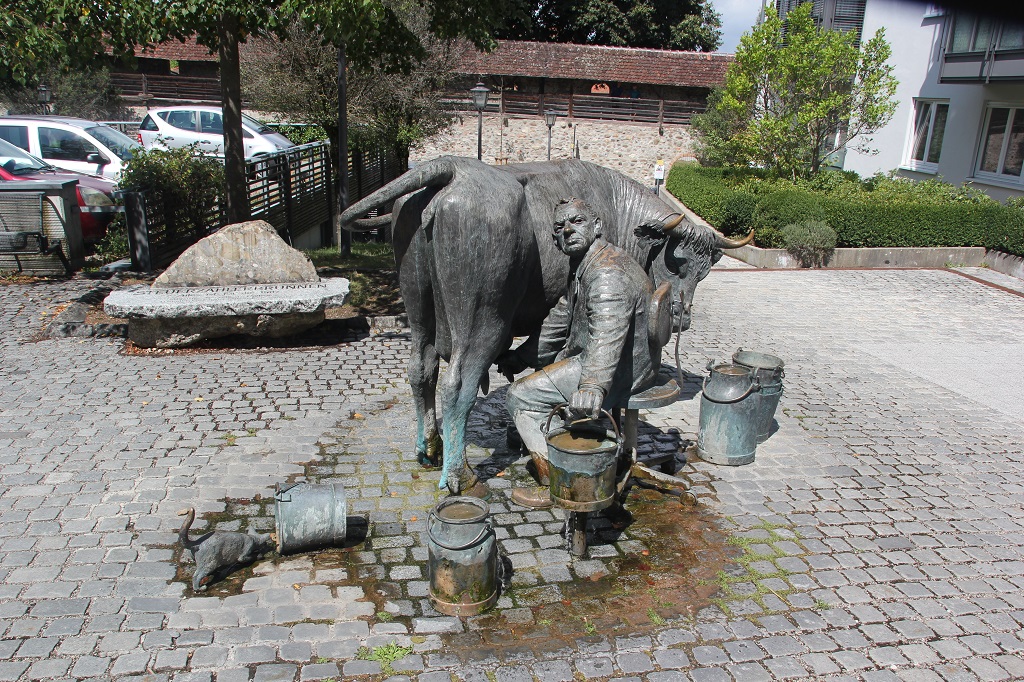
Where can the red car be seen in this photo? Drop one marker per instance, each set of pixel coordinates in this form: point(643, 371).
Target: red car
point(94, 192)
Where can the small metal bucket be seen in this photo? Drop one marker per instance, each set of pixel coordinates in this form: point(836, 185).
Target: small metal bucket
point(310, 516)
point(582, 463)
point(463, 557)
point(727, 433)
point(769, 371)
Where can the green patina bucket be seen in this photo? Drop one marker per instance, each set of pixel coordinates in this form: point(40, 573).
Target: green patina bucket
point(310, 516)
point(582, 462)
point(769, 372)
point(727, 431)
point(462, 557)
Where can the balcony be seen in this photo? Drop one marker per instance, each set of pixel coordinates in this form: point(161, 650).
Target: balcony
point(980, 49)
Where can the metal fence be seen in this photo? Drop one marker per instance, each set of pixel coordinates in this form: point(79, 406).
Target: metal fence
point(292, 189)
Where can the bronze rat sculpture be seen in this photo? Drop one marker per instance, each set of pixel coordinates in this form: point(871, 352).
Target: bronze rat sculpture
point(218, 553)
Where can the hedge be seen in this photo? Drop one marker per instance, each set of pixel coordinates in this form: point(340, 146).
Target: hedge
point(857, 223)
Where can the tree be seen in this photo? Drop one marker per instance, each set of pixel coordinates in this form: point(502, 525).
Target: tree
point(41, 34)
point(797, 94)
point(365, 31)
point(297, 77)
point(83, 93)
point(660, 24)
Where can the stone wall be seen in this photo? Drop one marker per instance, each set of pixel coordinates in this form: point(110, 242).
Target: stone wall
point(631, 148)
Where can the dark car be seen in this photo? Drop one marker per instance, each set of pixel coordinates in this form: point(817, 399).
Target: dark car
point(94, 192)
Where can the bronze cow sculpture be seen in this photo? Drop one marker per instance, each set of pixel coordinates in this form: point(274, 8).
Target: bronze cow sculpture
point(477, 267)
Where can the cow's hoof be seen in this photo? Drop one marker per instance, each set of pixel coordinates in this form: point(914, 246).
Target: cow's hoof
point(426, 461)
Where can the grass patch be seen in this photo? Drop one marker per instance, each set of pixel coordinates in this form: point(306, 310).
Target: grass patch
point(377, 255)
point(385, 655)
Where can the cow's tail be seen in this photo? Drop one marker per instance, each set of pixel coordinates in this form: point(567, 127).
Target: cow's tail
point(435, 173)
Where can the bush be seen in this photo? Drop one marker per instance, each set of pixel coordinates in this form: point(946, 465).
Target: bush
point(186, 187)
point(738, 213)
point(779, 209)
point(810, 241)
point(701, 189)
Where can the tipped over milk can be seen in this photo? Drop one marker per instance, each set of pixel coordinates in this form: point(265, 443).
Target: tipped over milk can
point(769, 372)
point(310, 516)
point(463, 557)
point(728, 415)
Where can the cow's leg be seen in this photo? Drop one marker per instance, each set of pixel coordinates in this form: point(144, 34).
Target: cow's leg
point(423, 364)
point(459, 387)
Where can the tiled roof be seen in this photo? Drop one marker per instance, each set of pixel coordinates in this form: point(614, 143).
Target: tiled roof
point(188, 51)
point(599, 63)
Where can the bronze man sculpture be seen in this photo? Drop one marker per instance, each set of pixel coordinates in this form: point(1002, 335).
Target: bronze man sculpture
point(593, 346)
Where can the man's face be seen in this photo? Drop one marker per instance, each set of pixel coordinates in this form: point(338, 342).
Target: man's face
point(575, 229)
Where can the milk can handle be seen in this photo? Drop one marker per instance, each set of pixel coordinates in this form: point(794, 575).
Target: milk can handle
point(483, 533)
point(556, 408)
point(755, 385)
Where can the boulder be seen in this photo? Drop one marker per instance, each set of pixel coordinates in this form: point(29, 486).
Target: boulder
point(243, 279)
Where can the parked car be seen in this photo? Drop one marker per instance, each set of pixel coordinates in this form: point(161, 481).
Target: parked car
point(94, 193)
point(166, 127)
point(73, 144)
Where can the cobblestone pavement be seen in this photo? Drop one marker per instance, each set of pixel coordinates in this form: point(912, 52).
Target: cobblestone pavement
point(877, 536)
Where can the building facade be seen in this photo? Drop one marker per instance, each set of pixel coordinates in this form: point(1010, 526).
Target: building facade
point(961, 98)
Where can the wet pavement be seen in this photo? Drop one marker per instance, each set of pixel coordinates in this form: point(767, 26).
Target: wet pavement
point(877, 536)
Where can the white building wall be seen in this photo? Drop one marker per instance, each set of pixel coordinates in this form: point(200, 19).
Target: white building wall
point(915, 41)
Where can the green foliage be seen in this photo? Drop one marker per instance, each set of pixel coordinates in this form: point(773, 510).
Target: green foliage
point(779, 209)
point(810, 241)
point(792, 88)
point(188, 186)
point(385, 655)
point(664, 24)
point(302, 134)
point(114, 244)
point(881, 211)
point(738, 213)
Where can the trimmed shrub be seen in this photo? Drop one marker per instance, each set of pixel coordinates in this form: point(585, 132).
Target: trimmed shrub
point(777, 210)
point(701, 189)
point(738, 213)
point(189, 187)
point(812, 242)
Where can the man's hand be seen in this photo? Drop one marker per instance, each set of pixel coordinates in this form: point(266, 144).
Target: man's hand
point(510, 364)
point(587, 401)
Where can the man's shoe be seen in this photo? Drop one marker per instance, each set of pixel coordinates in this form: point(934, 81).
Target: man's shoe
point(478, 490)
point(533, 498)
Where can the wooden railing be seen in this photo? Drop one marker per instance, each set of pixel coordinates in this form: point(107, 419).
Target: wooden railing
point(185, 88)
point(592, 107)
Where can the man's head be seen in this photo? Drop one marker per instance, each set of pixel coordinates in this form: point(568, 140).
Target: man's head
point(576, 226)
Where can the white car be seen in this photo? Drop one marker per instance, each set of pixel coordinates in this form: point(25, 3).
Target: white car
point(73, 144)
point(168, 127)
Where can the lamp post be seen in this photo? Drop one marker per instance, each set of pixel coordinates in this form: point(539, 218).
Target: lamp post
point(549, 119)
point(479, 93)
point(43, 95)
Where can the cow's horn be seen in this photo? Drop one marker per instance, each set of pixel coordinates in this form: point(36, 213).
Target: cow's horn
point(726, 243)
point(669, 224)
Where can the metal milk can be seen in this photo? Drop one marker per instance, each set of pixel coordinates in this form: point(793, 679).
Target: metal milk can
point(310, 516)
point(728, 415)
point(463, 557)
point(769, 371)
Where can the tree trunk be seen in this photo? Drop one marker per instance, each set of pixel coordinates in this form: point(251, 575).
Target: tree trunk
point(344, 237)
point(237, 194)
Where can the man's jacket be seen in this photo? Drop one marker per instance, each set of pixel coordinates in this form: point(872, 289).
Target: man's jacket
point(603, 320)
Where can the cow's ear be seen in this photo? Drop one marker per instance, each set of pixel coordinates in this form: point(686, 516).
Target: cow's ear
point(652, 232)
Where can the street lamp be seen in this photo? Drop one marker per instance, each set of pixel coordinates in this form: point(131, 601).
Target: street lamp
point(479, 93)
point(43, 95)
point(549, 119)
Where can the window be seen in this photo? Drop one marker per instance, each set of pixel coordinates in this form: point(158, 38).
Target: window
point(210, 122)
point(927, 131)
point(16, 135)
point(1001, 156)
point(148, 124)
point(971, 33)
point(63, 145)
point(183, 120)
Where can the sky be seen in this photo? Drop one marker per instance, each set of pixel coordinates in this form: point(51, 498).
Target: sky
point(737, 18)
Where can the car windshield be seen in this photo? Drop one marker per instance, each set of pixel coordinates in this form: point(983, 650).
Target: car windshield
point(256, 125)
point(115, 141)
point(17, 161)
